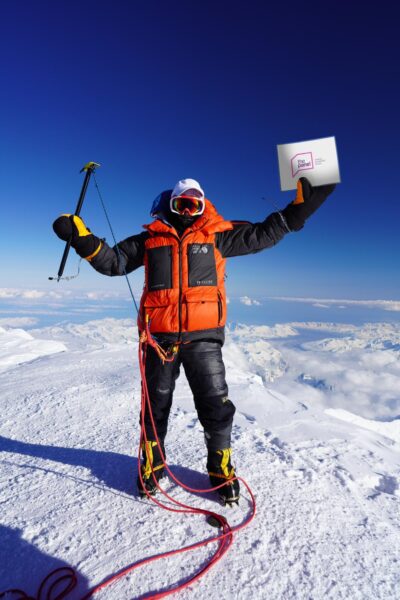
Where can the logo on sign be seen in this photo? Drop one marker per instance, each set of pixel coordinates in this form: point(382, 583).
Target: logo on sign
point(302, 162)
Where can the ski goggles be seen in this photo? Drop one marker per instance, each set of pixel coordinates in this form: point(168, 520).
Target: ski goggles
point(188, 205)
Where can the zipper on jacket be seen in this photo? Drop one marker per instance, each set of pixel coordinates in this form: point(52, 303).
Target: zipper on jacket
point(180, 240)
point(219, 308)
point(180, 292)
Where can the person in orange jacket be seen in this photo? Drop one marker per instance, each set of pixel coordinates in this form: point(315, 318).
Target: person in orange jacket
point(184, 251)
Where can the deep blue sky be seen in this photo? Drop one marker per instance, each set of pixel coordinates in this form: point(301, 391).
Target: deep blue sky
point(159, 91)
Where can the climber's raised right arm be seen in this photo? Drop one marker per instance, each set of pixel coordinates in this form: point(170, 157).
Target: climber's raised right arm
point(106, 260)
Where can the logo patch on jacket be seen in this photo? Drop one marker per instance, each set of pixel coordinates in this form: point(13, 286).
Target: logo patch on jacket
point(197, 248)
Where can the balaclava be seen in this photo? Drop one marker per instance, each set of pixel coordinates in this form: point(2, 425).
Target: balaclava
point(180, 222)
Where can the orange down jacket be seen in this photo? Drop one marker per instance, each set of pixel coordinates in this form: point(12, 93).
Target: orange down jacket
point(184, 291)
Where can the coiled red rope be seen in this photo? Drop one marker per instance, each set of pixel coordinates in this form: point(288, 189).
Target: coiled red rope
point(224, 539)
point(49, 586)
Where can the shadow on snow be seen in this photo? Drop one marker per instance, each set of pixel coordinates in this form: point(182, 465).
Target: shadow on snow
point(24, 567)
point(22, 564)
point(117, 471)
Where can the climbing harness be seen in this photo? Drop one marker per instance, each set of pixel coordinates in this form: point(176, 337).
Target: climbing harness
point(224, 538)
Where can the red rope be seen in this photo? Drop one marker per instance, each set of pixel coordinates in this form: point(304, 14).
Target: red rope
point(223, 539)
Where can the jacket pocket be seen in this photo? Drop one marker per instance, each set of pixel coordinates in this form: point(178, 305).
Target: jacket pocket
point(201, 309)
point(201, 265)
point(162, 310)
point(159, 268)
point(201, 315)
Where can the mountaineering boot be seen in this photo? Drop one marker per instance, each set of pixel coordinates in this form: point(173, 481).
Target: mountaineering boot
point(151, 460)
point(220, 469)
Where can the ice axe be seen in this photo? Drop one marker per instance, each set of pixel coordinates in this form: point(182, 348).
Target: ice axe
point(89, 168)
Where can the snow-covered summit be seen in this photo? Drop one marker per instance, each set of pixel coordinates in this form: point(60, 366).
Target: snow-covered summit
point(323, 461)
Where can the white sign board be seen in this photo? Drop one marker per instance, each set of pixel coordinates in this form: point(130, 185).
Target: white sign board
point(316, 159)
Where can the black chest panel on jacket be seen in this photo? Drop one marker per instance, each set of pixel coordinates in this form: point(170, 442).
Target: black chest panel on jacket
point(201, 265)
point(159, 268)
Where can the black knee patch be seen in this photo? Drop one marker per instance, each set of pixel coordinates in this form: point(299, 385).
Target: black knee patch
point(216, 416)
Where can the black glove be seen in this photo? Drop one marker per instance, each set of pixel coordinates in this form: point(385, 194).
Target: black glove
point(307, 201)
point(85, 243)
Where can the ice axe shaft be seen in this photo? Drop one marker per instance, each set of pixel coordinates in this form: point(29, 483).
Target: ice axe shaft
point(90, 167)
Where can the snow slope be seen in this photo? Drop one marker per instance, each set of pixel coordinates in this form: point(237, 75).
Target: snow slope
point(326, 476)
point(18, 346)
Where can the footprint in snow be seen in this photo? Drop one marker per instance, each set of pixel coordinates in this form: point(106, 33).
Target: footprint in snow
point(249, 418)
point(298, 474)
point(387, 485)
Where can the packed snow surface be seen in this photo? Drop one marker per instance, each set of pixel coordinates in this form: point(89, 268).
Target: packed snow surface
point(18, 346)
point(316, 436)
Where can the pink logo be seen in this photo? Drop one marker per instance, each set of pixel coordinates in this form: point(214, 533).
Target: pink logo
point(302, 162)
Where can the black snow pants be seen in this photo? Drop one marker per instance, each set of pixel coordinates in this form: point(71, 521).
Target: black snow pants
point(205, 372)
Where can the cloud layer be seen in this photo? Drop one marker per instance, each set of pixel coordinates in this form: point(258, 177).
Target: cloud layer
point(33, 294)
point(249, 301)
point(390, 305)
point(355, 368)
point(18, 321)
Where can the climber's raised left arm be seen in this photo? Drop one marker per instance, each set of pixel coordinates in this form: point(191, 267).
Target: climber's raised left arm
point(249, 238)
